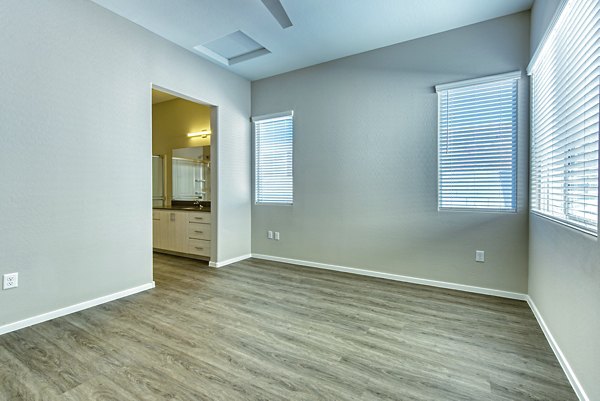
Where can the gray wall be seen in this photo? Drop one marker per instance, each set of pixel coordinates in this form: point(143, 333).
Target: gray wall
point(542, 13)
point(564, 273)
point(366, 162)
point(76, 151)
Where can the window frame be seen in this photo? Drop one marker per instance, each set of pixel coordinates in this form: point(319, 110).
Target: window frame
point(257, 119)
point(513, 75)
point(569, 216)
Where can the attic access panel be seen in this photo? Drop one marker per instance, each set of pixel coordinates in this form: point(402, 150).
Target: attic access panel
point(232, 48)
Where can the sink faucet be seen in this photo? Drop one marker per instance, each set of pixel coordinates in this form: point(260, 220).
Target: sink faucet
point(197, 203)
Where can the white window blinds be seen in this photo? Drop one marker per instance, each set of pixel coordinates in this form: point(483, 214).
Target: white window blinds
point(565, 91)
point(273, 158)
point(477, 144)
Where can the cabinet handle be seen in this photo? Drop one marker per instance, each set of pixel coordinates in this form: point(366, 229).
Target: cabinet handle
point(199, 218)
point(199, 248)
point(199, 232)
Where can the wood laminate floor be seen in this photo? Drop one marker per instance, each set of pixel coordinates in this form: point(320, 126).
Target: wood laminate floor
point(261, 330)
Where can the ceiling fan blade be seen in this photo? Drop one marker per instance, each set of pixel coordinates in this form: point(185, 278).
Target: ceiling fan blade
point(277, 10)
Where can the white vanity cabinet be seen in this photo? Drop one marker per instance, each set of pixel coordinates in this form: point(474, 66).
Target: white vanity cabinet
point(198, 234)
point(157, 239)
point(182, 232)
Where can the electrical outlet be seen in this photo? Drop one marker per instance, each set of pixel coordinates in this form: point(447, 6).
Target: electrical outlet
point(479, 256)
point(270, 234)
point(276, 235)
point(10, 280)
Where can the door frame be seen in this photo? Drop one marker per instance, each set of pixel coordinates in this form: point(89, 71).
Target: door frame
point(214, 160)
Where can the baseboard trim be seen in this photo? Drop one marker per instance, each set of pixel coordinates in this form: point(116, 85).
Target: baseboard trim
point(7, 328)
point(229, 261)
point(579, 391)
point(397, 277)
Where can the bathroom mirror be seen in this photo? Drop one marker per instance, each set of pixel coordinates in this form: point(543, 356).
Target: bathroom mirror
point(191, 173)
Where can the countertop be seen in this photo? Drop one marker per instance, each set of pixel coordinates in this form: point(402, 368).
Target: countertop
point(183, 208)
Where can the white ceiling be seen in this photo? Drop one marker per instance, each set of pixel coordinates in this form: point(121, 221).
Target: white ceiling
point(322, 30)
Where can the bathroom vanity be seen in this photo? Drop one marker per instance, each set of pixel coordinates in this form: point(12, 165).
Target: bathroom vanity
point(181, 218)
point(182, 231)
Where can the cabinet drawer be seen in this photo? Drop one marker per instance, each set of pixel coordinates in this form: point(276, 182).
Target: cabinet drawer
point(199, 247)
point(198, 217)
point(199, 231)
point(156, 215)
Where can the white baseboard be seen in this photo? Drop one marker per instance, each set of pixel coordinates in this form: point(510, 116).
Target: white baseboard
point(229, 261)
point(7, 328)
point(397, 277)
point(557, 351)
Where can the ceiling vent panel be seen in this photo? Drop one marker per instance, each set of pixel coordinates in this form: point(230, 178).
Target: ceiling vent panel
point(232, 48)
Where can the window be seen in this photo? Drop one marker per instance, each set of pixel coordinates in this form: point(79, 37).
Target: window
point(273, 158)
point(565, 92)
point(477, 144)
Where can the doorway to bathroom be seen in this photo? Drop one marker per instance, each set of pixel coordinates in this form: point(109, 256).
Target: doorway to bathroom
point(184, 179)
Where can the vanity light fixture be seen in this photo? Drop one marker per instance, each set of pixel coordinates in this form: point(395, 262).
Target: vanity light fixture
point(204, 133)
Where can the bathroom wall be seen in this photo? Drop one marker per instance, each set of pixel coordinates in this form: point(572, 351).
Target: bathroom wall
point(171, 122)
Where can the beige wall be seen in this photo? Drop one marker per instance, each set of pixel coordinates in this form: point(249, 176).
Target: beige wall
point(171, 122)
point(76, 139)
point(564, 271)
point(365, 162)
